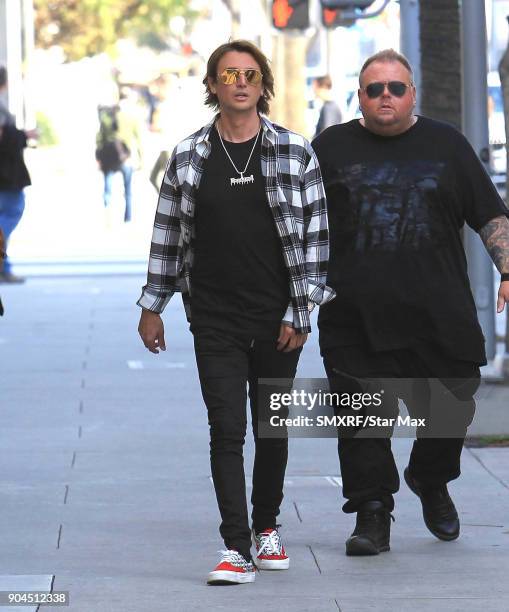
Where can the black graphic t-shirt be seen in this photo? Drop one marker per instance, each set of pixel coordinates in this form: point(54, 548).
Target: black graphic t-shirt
point(239, 280)
point(396, 206)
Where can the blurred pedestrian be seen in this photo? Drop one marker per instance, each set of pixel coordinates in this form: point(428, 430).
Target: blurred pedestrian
point(256, 266)
point(119, 146)
point(399, 189)
point(158, 168)
point(14, 178)
point(330, 113)
point(8, 117)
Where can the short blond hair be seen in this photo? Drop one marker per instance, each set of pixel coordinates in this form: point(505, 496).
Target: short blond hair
point(387, 55)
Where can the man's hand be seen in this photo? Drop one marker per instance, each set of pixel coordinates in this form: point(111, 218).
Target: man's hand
point(289, 339)
point(503, 296)
point(151, 330)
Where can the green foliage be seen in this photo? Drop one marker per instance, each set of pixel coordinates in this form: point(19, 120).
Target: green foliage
point(47, 135)
point(88, 27)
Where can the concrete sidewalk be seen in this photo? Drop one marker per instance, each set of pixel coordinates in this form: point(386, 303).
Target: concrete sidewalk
point(106, 491)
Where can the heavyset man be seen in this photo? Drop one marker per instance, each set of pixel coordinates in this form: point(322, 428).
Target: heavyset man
point(241, 230)
point(399, 189)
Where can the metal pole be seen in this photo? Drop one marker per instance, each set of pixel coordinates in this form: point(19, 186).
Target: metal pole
point(3, 46)
point(11, 55)
point(328, 35)
point(505, 356)
point(475, 128)
point(28, 16)
point(410, 42)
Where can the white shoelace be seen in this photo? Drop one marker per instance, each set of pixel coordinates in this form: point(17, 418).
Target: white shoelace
point(270, 543)
point(234, 557)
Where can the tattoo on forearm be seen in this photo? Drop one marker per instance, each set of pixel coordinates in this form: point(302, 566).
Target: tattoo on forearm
point(495, 236)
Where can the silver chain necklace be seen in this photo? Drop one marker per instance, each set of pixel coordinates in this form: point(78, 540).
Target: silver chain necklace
point(243, 179)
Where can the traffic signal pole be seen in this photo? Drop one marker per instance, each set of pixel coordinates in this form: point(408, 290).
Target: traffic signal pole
point(11, 55)
point(410, 41)
point(475, 128)
point(16, 47)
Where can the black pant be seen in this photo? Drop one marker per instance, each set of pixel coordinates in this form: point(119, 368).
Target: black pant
point(226, 365)
point(367, 465)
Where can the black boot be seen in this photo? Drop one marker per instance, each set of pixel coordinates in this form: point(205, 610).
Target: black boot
point(372, 530)
point(438, 509)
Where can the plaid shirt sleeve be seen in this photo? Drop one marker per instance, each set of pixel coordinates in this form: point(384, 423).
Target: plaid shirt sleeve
point(166, 248)
point(316, 231)
point(315, 238)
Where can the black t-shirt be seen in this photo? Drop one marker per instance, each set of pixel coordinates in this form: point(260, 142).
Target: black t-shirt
point(239, 280)
point(396, 206)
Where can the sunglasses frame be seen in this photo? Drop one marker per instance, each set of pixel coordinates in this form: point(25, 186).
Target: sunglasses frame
point(388, 85)
point(236, 72)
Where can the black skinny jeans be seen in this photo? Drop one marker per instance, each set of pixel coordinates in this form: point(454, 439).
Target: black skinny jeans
point(226, 366)
point(367, 464)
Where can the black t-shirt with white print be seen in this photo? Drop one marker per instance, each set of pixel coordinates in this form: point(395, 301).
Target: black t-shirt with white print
point(239, 280)
point(396, 206)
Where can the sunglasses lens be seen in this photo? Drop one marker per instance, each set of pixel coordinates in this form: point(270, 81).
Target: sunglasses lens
point(229, 76)
point(374, 90)
point(397, 88)
point(253, 76)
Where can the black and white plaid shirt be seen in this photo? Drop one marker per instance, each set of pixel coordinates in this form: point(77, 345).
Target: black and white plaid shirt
point(295, 193)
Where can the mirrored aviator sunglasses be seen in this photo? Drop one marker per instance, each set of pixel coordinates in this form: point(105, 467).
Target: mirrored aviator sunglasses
point(396, 88)
point(230, 76)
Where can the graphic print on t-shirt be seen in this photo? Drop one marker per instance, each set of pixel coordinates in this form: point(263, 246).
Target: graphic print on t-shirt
point(239, 279)
point(387, 206)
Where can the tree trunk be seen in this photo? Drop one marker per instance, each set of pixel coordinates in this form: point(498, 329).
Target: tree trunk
point(288, 60)
point(440, 37)
point(503, 69)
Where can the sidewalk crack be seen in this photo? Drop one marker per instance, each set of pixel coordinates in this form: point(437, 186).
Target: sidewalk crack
point(480, 461)
point(315, 559)
point(59, 536)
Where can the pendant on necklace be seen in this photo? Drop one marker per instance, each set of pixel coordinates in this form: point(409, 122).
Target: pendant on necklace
point(242, 180)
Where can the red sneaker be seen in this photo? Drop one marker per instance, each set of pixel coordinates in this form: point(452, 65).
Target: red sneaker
point(270, 552)
point(232, 569)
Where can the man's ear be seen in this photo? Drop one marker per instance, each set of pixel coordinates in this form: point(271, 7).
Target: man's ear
point(212, 85)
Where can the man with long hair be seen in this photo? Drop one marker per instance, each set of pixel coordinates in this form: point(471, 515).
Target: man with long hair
point(241, 230)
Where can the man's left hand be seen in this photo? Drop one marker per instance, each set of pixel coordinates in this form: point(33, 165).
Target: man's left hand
point(503, 296)
point(289, 339)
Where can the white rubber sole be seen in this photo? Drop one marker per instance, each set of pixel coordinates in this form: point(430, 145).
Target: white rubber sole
point(270, 564)
point(225, 577)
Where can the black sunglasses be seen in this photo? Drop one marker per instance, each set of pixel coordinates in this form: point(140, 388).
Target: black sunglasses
point(396, 88)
